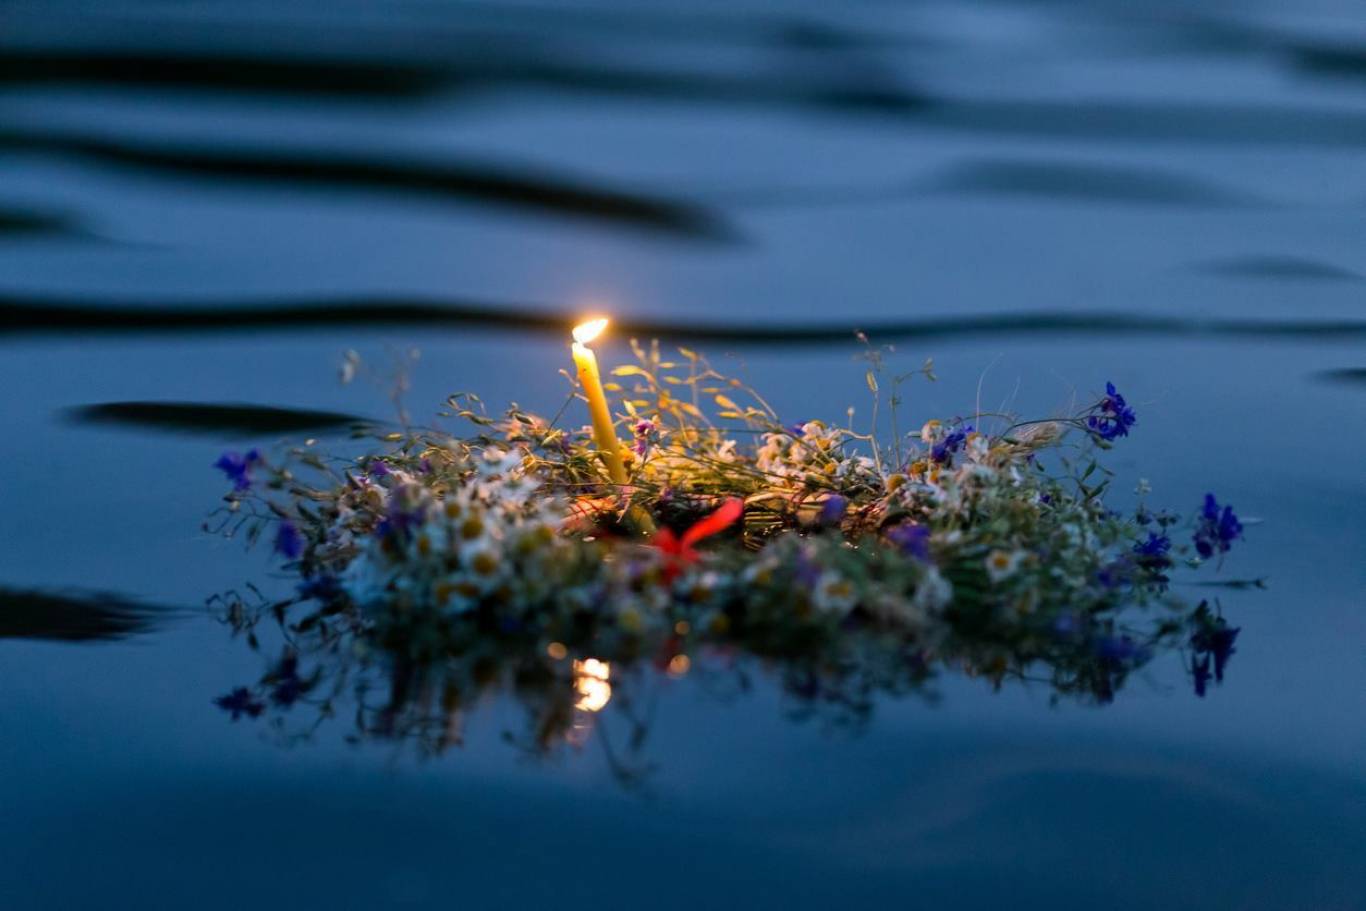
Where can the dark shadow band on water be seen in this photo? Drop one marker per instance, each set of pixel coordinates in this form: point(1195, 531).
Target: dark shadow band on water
point(468, 66)
point(24, 222)
point(1275, 267)
point(484, 182)
point(1063, 181)
point(212, 417)
point(50, 316)
point(494, 66)
point(73, 616)
point(245, 72)
point(1084, 181)
point(469, 45)
point(1345, 376)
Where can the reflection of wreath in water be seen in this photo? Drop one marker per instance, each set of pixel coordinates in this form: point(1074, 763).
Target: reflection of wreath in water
point(446, 567)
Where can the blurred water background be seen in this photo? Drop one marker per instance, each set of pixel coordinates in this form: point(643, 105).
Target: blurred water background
point(208, 202)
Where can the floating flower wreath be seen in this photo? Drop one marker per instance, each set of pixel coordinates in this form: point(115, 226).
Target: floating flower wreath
point(509, 554)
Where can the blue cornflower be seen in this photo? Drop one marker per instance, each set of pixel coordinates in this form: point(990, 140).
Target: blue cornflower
point(1200, 671)
point(833, 509)
point(942, 452)
point(1116, 574)
point(288, 686)
point(808, 571)
point(240, 702)
point(1067, 625)
point(1217, 530)
point(238, 467)
point(1118, 649)
point(1154, 556)
point(1221, 647)
point(398, 521)
point(642, 431)
point(1156, 546)
point(321, 588)
point(1212, 644)
point(1115, 416)
point(911, 539)
point(289, 543)
point(1215, 640)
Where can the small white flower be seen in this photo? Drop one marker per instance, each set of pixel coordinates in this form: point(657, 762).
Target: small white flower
point(483, 566)
point(700, 587)
point(834, 593)
point(499, 462)
point(365, 582)
point(977, 447)
point(934, 591)
point(758, 572)
point(976, 473)
point(1001, 564)
point(854, 467)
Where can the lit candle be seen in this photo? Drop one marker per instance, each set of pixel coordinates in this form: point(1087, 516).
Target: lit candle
point(604, 433)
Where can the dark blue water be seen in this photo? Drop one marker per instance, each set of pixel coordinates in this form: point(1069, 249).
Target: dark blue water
point(1041, 196)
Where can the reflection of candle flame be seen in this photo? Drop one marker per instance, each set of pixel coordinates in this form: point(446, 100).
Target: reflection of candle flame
point(586, 332)
point(591, 678)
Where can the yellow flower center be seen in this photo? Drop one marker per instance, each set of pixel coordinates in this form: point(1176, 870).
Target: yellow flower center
point(484, 563)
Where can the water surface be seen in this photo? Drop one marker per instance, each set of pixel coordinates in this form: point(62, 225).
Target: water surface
point(209, 204)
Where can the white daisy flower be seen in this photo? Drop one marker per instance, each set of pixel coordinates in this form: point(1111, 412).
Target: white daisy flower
point(834, 593)
point(1002, 564)
point(933, 593)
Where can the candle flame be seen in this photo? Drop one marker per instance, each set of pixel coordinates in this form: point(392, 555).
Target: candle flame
point(586, 332)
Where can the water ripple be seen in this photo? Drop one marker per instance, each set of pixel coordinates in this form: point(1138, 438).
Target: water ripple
point(483, 182)
point(21, 315)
